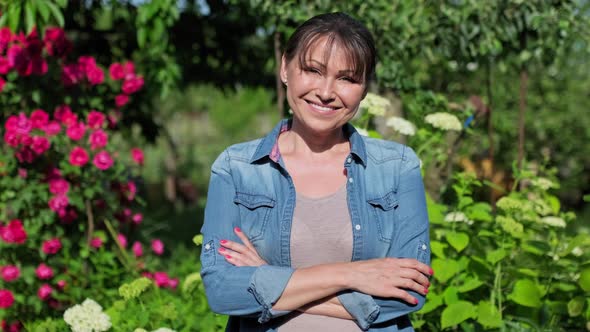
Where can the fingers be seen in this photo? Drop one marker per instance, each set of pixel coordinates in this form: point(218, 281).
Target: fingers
point(244, 238)
point(415, 264)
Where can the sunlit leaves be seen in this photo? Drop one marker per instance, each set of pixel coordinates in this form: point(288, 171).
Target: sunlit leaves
point(527, 293)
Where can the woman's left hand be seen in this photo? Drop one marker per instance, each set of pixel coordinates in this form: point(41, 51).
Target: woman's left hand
point(240, 254)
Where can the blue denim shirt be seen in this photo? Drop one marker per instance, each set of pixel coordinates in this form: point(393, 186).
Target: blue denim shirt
point(251, 188)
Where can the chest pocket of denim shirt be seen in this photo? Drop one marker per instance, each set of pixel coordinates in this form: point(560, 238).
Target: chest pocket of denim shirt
point(383, 213)
point(254, 213)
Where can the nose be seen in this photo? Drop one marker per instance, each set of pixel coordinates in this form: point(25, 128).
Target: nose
point(325, 91)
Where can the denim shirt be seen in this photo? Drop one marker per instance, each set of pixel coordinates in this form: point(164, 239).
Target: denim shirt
point(250, 188)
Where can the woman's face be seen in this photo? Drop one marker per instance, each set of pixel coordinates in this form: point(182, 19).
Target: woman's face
point(323, 96)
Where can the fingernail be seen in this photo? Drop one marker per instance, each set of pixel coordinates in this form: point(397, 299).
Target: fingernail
point(428, 284)
point(237, 229)
point(431, 271)
point(415, 301)
point(223, 241)
point(425, 290)
point(222, 249)
point(227, 256)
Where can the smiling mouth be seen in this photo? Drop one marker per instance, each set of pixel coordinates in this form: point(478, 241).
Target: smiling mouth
point(322, 108)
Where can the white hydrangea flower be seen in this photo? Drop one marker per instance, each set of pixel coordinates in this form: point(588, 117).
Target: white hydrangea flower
point(577, 251)
point(553, 221)
point(139, 329)
point(543, 183)
point(375, 104)
point(401, 125)
point(444, 121)
point(87, 317)
point(458, 217)
point(163, 329)
point(362, 131)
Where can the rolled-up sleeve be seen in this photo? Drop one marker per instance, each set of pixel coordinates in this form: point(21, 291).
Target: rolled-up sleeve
point(411, 241)
point(232, 290)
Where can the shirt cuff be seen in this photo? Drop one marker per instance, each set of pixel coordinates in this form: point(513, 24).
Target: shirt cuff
point(267, 284)
point(360, 306)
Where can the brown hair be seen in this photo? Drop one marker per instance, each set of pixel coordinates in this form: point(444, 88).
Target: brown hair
point(340, 29)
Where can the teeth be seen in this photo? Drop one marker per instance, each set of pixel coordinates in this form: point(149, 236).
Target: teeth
point(322, 108)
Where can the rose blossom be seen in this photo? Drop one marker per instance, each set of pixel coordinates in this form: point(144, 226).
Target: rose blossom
point(137, 156)
point(103, 160)
point(86, 62)
point(96, 242)
point(58, 186)
point(122, 240)
point(129, 190)
point(76, 131)
point(22, 173)
point(137, 218)
point(40, 144)
point(67, 215)
point(44, 292)
point(6, 298)
point(64, 114)
point(158, 246)
point(52, 246)
point(71, 74)
point(56, 42)
point(52, 128)
point(39, 118)
point(11, 139)
point(58, 202)
point(116, 71)
point(137, 249)
point(121, 100)
point(98, 139)
point(26, 140)
point(132, 84)
point(44, 272)
point(95, 119)
point(4, 66)
point(10, 272)
point(78, 156)
point(20, 124)
point(95, 75)
point(61, 284)
point(161, 279)
point(14, 232)
point(25, 155)
point(5, 38)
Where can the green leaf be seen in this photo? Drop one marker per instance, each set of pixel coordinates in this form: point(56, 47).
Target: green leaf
point(526, 293)
point(495, 256)
point(141, 37)
point(488, 315)
point(438, 249)
point(457, 313)
point(29, 17)
point(198, 239)
point(444, 269)
point(576, 306)
point(584, 280)
point(528, 272)
point(57, 14)
point(554, 203)
point(470, 284)
point(43, 10)
point(433, 301)
point(458, 240)
point(451, 295)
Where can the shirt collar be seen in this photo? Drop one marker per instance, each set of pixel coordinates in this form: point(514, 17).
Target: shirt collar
point(268, 146)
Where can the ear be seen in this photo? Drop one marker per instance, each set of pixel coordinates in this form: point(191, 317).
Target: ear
point(283, 71)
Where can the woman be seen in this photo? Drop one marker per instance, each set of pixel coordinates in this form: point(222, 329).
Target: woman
point(315, 227)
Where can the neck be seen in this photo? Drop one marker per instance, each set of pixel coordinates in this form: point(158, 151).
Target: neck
point(301, 141)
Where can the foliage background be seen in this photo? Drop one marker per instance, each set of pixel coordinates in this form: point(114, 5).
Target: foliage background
point(210, 81)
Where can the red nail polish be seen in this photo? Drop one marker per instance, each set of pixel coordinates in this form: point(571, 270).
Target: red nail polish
point(227, 256)
point(425, 290)
point(431, 271)
point(415, 301)
point(222, 249)
point(237, 229)
point(223, 241)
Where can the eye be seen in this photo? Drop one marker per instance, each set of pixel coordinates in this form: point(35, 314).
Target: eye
point(348, 79)
point(312, 70)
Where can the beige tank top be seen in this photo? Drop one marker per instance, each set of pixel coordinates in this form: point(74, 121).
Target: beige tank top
point(321, 233)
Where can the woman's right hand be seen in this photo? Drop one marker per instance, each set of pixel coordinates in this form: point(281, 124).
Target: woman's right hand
point(390, 277)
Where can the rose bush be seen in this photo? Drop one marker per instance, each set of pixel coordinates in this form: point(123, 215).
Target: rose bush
point(68, 195)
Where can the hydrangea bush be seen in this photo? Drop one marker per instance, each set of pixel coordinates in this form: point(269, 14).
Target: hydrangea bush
point(69, 210)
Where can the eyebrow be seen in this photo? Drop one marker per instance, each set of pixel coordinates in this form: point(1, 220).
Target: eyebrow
point(321, 64)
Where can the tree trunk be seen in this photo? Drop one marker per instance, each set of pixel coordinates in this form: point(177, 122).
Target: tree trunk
point(524, 77)
point(279, 83)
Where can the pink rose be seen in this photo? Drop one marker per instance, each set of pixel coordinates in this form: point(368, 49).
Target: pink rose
point(132, 84)
point(52, 128)
point(44, 272)
point(95, 119)
point(103, 160)
point(56, 42)
point(76, 131)
point(96, 242)
point(71, 74)
point(39, 119)
point(26, 140)
point(40, 144)
point(113, 119)
point(122, 240)
point(14, 327)
point(129, 190)
point(67, 215)
point(137, 218)
point(78, 156)
point(95, 75)
point(11, 123)
point(161, 279)
point(58, 203)
point(52, 246)
point(137, 156)
point(6, 298)
point(5, 38)
point(58, 186)
point(172, 283)
point(158, 247)
point(121, 100)
point(22, 173)
point(4, 66)
point(128, 69)
point(44, 292)
point(14, 232)
point(25, 155)
point(52, 173)
point(10, 272)
point(22, 125)
point(61, 284)
point(86, 62)
point(64, 114)
point(11, 139)
point(98, 139)
point(137, 249)
point(116, 71)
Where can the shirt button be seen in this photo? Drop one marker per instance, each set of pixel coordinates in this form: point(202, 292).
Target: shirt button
point(357, 227)
point(424, 247)
point(350, 180)
point(349, 160)
point(207, 246)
